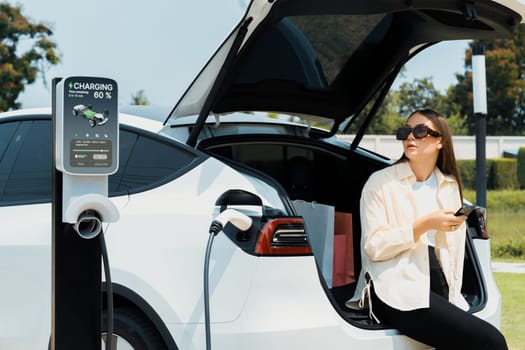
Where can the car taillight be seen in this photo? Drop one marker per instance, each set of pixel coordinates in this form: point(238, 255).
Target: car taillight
point(283, 236)
point(477, 222)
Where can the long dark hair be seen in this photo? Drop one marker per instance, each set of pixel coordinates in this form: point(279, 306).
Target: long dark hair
point(446, 161)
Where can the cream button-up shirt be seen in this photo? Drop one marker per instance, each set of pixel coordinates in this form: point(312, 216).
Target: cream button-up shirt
point(397, 265)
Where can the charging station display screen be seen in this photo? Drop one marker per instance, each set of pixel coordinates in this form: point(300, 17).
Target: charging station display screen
point(87, 126)
point(90, 153)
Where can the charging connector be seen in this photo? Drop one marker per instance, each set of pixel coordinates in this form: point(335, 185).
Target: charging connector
point(243, 223)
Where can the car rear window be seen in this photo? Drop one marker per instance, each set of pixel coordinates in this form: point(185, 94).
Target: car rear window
point(338, 40)
point(321, 54)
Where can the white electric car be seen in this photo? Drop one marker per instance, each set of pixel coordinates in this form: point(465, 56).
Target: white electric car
point(275, 286)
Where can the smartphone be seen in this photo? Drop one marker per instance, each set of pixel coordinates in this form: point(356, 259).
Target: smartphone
point(465, 210)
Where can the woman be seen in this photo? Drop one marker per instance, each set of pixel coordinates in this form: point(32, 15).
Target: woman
point(413, 244)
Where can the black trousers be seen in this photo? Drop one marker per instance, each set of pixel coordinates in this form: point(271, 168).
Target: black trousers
point(442, 325)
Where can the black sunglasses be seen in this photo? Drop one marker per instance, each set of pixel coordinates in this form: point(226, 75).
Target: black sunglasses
point(419, 131)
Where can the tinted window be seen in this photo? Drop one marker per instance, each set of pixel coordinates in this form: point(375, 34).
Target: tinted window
point(127, 142)
point(152, 161)
point(30, 177)
point(7, 130)
point(307, 55)
point(25, 162)
point(340, 37)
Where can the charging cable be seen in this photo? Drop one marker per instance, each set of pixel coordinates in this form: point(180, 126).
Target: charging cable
point(88, 226)
point(243, 223)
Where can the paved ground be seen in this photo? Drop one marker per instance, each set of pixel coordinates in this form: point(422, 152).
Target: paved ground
point(508, 267)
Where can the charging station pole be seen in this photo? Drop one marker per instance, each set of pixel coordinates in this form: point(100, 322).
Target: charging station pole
point(479, 87)
point(81, 154)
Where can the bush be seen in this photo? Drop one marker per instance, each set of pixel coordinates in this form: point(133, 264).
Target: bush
point(510, 249)
point(503, 174)
point(467, 172)
point(521, 167)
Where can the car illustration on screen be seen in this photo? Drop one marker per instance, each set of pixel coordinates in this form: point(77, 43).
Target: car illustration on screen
point(94, 118)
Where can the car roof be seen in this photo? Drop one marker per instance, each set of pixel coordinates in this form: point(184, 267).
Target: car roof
point(328, 58)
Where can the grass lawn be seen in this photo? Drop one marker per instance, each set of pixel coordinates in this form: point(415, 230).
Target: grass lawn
point(505, 226)
point(505, 223)
point(513, 311)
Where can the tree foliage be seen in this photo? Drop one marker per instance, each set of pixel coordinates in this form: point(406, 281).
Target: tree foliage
point(139, 99)
point(387, 118)
point(505, 75)
point(410, 96)
point(421, 94)
point(19, 68)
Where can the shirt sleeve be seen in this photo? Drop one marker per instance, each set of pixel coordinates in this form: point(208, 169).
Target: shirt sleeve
point(384, 236)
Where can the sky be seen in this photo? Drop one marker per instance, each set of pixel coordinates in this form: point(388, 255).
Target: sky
point(440, 62)
point(159, 46)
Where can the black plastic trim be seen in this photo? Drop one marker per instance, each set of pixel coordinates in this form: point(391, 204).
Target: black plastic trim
point(471, 253)
point(145, 308)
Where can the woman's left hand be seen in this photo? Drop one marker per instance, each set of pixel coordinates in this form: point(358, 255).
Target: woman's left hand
point(440, 220)
point(451, 222)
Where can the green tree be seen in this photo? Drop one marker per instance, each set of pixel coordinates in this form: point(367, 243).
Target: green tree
point(457, 124)
point(387, 119)
point(421, 94)
point(398, 104)
point(505, 75)
point(19, 68)
point(139, 99)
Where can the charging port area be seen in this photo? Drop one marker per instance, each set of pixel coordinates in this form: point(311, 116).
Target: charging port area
point(85, 153)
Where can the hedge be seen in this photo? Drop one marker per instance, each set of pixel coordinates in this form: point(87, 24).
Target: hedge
point(502, 173)
point(521, 167)
point(467, 172)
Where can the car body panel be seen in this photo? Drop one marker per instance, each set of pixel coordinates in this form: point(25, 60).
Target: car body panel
point(170, 249)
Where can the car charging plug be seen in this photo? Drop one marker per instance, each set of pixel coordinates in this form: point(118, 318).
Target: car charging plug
point(243, 223)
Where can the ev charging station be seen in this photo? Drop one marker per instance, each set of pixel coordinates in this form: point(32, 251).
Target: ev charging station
point(85, 153)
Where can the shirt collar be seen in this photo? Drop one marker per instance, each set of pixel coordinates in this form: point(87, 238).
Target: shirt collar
point(404, 172)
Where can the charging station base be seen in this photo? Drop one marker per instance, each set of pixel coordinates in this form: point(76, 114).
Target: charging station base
point(76, 288)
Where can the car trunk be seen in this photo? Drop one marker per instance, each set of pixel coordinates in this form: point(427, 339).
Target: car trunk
point(301, 170)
